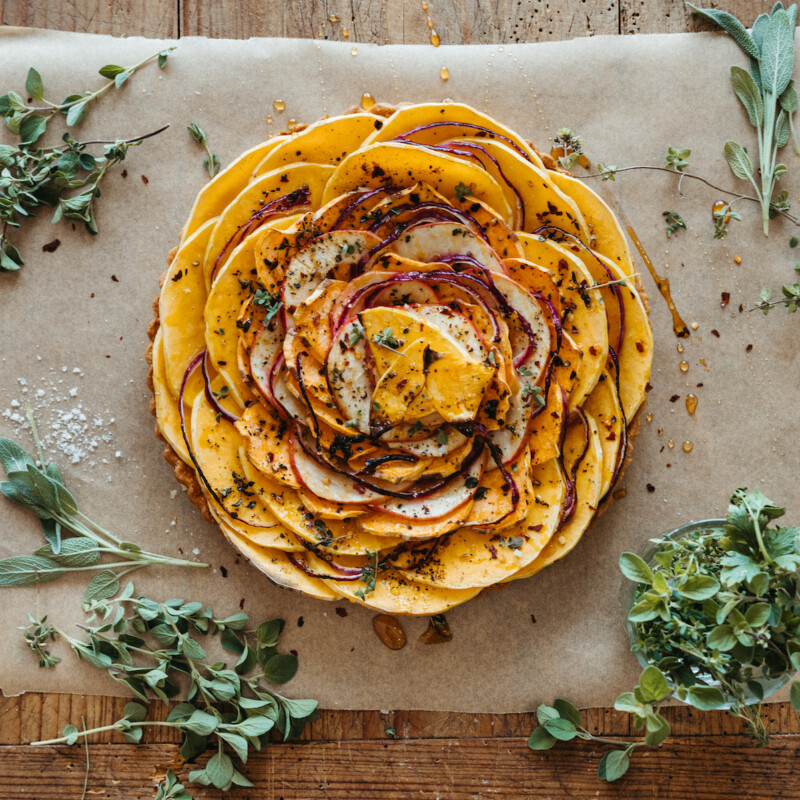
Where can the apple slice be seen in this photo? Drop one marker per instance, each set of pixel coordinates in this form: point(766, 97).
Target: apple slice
point(348, 374)
point(327, 483)
point(328, 256)
point(513, 436)
point(403, 294)
point(266, 347)
point(429, 242)
point(448, 499)
point(446, 440)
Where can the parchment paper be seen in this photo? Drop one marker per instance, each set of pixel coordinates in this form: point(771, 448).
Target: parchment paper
point(86, 307)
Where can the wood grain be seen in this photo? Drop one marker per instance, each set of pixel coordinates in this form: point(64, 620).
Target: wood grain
point(453, 756)
point(153, 18)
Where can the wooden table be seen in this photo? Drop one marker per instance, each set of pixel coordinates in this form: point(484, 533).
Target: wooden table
point(348, 754)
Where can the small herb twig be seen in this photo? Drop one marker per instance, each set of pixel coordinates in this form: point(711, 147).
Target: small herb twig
point(211, 162)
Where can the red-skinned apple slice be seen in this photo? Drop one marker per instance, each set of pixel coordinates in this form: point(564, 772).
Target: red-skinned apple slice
point(348, 374)
point(513, 436)
point(326, 483)
point(408, 293)
point(428, 242)
point(266, 347)
point(452, 496)
point(327, 256)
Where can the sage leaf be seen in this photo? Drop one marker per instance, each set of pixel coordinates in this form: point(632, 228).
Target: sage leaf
point(77, 551)
point(102, 586)
point(781, 130)
point(28, 571)
point(747, 91)
point(788, 100)
point(757, 31)
point(635, 569)
point(738, 160)
point(13, 457)
point(730, 25)
point(777, 53)
point(33, 84)
point(51, 529)
point(613, 765)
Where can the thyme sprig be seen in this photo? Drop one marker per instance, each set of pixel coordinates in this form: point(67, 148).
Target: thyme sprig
point(42, 490)
point(32, 176)
point(716, 614)
point(149, 645)
point(210, 162)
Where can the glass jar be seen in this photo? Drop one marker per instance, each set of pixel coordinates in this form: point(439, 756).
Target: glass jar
point(770, 685)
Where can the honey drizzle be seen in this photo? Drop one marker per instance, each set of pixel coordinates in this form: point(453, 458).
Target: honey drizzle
point(680, 328)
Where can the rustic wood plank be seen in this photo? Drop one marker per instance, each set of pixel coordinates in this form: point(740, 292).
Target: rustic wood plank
point(31, 717)
point(400, 21)
point(672, 16)
point(153, 18)
point(454, 768)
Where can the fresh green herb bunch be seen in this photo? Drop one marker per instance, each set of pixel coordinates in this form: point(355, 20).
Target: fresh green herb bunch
point(32, 176)
point(768, 95)
point(42, 490)
point(790, 298)
point(718, 610)
point(151, 646)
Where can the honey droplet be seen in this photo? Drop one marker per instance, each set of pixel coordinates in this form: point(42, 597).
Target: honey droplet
point(280, 105)
point(620, 493)
point(345, 33)
point(718, 208)
point(424, 6)
point(684, 365)
point(435, 40)
point(353, 51)
point(648, 416)
point(269, 119)
point(688, 447)
point(670, 444)
point(389, 631)
point(444, 74)
point(691, 403)
point(291, 123)
point(438, 631)
point(430, 24)
point(333, 18)
point(367, 101)
point(695, 326)
point(680, 348)
point(703, 362)
point(737, 259)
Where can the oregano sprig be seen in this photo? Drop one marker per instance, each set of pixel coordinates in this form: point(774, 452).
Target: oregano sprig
point(66, 177)
point(41, 489)
point(148, 645)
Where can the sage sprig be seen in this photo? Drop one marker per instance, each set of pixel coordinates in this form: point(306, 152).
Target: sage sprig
point(149, 645)
point(768, 95)
point(716, 613)
point(41, 489)
point(32, 176)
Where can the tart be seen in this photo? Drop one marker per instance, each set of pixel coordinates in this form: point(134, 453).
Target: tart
point(398, 357)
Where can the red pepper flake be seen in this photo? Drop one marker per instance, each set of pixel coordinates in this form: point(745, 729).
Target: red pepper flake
point(726, 298)
point(612, 437)
point(650, 487)
point(748, 348)
point(533, 619)
point(341, 612)
point(144, 180)
point(640, 347)
point(593, 350)
point(241, 604)
point(300, 622)
point(715, 332)
point(223, 571)
point(108, 356)
point(51, 247)
point(668, 464)
point(124, 173)
point(648, 387)
point(741, 308)
point(536, 528)
point(674, 398)
point(294, 653)
point(91, 295)
point(115, 279)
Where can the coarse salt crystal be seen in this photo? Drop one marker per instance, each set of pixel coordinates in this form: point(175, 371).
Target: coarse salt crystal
point(196, 551)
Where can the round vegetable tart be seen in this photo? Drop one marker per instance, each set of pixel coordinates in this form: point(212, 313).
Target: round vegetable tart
point(398, 357)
